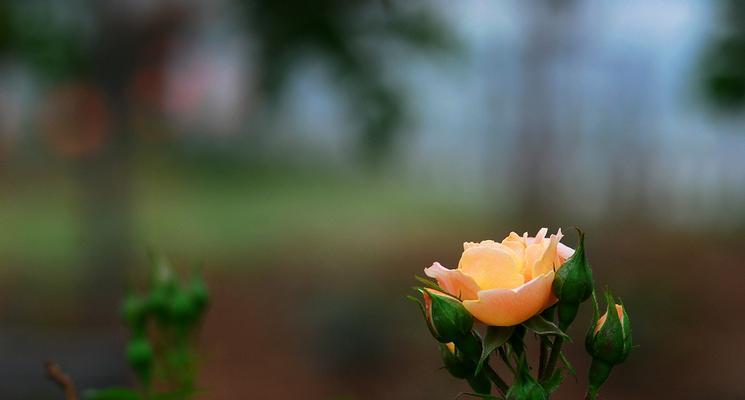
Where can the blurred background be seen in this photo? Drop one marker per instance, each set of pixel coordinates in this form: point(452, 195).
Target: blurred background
point(314, 155)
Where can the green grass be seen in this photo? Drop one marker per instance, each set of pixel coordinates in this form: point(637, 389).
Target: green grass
point(219, 212)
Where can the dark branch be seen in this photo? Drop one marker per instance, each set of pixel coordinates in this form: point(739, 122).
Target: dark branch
point(55, 373)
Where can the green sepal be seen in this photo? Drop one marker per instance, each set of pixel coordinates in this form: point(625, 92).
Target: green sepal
point(446, 316)
point(542, 326)
point(424, 311)
point(627, 336)
point(593, 323)
point(429, 283)
point(525, 386)
point(495, 337)
point(567, 364)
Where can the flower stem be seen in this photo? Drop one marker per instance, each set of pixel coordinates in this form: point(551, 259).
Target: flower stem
point(554, 358)
point(492, 374)
point(503, 356)
point(543, 357)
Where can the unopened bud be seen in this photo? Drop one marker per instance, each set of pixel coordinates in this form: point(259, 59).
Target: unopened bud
point(446, 317)
point(573, 284)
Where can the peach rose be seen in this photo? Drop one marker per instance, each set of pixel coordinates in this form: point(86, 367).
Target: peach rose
point(504, 284)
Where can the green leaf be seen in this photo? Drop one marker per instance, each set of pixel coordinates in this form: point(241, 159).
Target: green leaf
point(495, 337)
point(113, 393)
point(541, 326)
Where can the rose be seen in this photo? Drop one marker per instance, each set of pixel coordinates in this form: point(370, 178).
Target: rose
point(504, 284)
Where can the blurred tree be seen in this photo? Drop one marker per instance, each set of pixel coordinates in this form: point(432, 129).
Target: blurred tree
point(723, 61)
point(335, 30)
point(548, 40)
point(86, 54)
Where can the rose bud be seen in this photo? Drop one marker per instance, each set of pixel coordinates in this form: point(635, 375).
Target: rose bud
point(446, 317)
point(134, 312)
point(573, 284)
point(140, 357)
point(182, 310)
point(454, 362)
point(608, 341)
point(462, 365)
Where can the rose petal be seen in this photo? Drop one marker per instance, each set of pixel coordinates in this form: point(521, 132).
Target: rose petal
point(533, 253)
point(507, 307)
point(517, 244)
point(453, 281)
point(548, 259)
point(538, 236)
point(492, 265)
point(564, 252)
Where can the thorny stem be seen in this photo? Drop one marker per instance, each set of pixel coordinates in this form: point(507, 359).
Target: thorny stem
point(55, 373)
point(492, 374)
point(503, 356)
point(543, 357)
point(592, 393)
point(555, 352)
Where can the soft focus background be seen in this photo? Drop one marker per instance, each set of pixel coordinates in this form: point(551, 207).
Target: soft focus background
point(314, 155)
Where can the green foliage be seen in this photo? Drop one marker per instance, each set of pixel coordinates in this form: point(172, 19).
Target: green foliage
point(163, 323)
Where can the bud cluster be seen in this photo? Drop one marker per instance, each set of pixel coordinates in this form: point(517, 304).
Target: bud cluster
point(161, 321)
